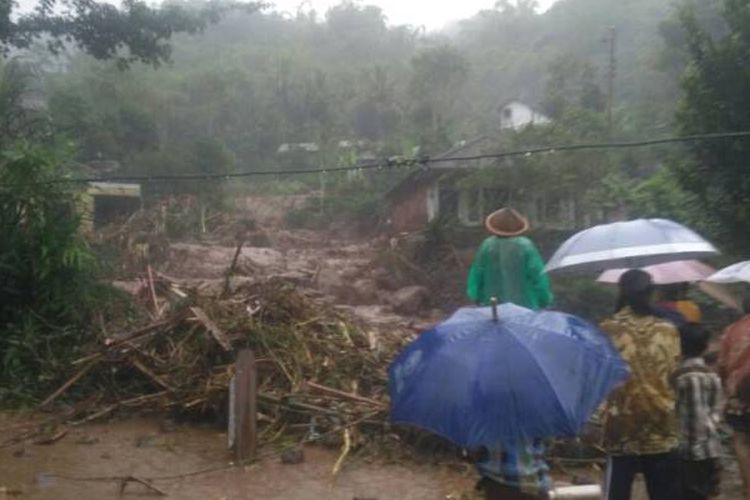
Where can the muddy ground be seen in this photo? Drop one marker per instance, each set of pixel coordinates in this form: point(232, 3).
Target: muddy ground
point(343, 272)
point(149, 448)
point(83, 465)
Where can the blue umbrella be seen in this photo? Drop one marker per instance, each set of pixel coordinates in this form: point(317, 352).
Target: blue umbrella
point(480, 382)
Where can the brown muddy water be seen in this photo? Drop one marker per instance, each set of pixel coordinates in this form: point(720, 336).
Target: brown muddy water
point(147, 448)
point(144, 448)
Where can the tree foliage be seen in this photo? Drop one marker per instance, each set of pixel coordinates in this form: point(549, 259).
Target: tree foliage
point(257, 81)
point(260, 81)
point(571, 83)
point(104, 30)
point(48, 286)
point(46, 271)
point(348, 85)
point(542, 180)
point(274, 81)
point(716, 97)
point(511, 48)
point(20, 117)
point(438, 75)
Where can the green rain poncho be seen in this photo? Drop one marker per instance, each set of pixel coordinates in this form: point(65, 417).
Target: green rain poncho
point(510, 269)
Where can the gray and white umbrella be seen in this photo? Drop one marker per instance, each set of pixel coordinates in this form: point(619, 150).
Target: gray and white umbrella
point(632, 244)
point(732, 274)
point(678, 271)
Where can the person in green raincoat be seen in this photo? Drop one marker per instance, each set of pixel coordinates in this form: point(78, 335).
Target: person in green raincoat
point(508, 265)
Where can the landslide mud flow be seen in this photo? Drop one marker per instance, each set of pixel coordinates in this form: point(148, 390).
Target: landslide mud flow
point(148, 448)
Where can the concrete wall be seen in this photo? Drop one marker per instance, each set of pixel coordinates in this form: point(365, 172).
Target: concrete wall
point(114, 199)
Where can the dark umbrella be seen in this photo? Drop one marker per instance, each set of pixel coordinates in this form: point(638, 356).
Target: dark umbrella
point(481, 382)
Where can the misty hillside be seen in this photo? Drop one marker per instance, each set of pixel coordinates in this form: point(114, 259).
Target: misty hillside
point(511, 52)
point(256, 81)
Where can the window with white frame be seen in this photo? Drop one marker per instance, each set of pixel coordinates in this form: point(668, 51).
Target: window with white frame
point(470, 206)
point(556, 210)
point(474, 204)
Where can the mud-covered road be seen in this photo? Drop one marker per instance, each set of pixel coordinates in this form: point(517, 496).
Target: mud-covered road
point(149, 448)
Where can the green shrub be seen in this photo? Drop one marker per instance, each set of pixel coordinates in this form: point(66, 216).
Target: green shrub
point(351, 203)
point(583, 296)
point(47, 281)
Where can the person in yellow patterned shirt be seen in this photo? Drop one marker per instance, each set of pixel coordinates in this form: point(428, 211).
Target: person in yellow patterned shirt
point(641, 432)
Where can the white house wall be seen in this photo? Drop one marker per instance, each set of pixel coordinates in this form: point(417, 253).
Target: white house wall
point(433, 201)
point(521, 115)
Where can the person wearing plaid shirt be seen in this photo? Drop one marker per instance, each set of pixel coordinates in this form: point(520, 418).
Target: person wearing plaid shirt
point(514, 472)
point(698, 391)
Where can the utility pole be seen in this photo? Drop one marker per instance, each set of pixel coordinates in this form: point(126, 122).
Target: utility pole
point(611, 39)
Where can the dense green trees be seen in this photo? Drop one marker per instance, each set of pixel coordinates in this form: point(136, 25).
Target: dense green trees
point(132, 32)
point(49, 292)
point(438, 76)
point(347, 85)
point(47, 287)
point(357, 87)
point(571, 83)
point(716, 98)
point(20, 117)
point(256, 81)
point(511, 49)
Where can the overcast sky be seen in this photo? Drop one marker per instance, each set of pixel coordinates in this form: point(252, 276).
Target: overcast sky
point(432, 14)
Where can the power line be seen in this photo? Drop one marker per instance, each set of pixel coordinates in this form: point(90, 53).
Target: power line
point(602, 145)
point(395, 162)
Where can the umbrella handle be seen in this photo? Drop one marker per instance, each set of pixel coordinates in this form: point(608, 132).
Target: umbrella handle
point(493, 301)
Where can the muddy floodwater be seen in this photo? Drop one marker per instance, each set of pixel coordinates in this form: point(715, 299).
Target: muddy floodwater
point(144, 448)
point(86, 462)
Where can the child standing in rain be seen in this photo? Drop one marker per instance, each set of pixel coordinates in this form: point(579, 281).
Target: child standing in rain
point(698, 390)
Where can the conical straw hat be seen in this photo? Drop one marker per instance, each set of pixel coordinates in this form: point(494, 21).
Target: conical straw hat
point(506, 222)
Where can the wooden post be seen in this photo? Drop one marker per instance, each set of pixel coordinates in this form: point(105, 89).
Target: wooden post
point(245, 407)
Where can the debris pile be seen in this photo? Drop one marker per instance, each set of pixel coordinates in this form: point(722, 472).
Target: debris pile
point(139, 239)
point(317, 371)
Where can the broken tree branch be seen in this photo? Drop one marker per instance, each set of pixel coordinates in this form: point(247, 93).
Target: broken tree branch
point(152, 291)
point(53, 438)
point(233, 265)
point(72, 380)
point(130, 336)
point(344, 452)
point(218, 334)
point(144, 369)
point(128, 479)
point(346, 395)
point(126, 402)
